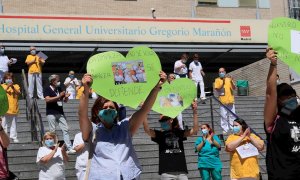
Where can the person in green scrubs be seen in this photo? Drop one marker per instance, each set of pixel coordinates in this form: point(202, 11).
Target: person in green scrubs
point(208, 147)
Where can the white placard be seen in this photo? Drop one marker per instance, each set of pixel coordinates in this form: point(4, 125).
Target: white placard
point(13, 60)
point(247, 150)
point(42, 55)
point(295, 41)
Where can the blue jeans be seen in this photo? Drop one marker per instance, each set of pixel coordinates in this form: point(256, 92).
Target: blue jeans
point(214, 173)
point(62, 122)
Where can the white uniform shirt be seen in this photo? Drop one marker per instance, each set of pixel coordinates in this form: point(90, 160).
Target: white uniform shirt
point(183, 70)
point(4, 63)
point(196, 71)
point(53, 169)
point(71, 88)
point(82, 157)
point(114, 154)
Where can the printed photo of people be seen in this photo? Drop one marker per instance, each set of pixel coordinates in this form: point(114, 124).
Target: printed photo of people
point(171, 100)
point(129, 72)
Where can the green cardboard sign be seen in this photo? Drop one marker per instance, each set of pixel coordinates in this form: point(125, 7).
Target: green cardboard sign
point(284, 37)
point(126, 80)
point(4, 102)
point(175, 97)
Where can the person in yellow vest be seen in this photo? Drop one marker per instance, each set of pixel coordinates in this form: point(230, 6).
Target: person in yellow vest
point(243, 166)
point(225, 86)
point(12, 92)
point(35, 64)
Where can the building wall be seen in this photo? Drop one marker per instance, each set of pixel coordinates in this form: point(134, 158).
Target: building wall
point(231, 13)
point(256, 73)
point(165, 8)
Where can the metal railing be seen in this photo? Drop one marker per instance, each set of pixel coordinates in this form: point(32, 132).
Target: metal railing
point(33, 113)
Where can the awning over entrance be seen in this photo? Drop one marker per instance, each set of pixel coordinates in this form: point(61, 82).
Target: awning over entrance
point(65, 56)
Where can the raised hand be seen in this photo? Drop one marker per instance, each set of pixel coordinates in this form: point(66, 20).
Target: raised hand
point(271, 55)
point(163, 78)
point(87, 80)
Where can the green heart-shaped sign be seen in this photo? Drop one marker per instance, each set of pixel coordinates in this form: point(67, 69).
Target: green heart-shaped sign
point(175, 97)
point(284, 37)
point(4, 102)
point(127, 80)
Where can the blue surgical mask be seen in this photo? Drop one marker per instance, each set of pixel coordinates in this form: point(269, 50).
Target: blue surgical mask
point(33, 52)
point(236, 129)
point(71, 76)
point(8, 81)
point(49, 143)
point(221, 75)
point(289, 105)
point(108, 115)
point(204, 131)
point(165, 126)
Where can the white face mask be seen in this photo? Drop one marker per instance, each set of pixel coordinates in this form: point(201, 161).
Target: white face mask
point(57, 84)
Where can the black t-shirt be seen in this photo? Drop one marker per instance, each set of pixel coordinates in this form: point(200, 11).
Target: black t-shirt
point(283, 150)
point(171, 151)
point(53, 107)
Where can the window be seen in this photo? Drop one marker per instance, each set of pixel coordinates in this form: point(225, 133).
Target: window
point(247, 3)
point(207, 2)
point(294, 9)
point(235, 3)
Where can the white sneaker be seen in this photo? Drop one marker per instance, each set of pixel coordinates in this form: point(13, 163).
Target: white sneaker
point(203, 98)
point(71, 151)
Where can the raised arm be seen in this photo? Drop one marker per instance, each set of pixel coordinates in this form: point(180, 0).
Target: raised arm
point(270, 109)
point(258, 143)
point(195, 128)
point(141, 115)
point(84, 122)
point(231, 146)
point(48, 157)
point(147, 130)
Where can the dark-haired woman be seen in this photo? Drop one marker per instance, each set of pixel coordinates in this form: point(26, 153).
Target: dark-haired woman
point(114, 157)
point(282, 125)
point(172, 163)
point(208, 147)
point(246, 167)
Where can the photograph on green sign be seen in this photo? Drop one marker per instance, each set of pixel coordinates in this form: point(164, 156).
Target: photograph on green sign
point(171, 100)
point(129, 72)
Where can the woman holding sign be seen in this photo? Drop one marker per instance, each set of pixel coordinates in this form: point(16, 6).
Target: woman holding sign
point(114, 157)
point(172, 163)
point(243, 147)
point(282, 123)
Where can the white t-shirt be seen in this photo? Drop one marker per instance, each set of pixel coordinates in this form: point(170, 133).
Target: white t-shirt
point(183, 70)
point(82, 157)
point(72, 86)
point(114, 154)
point(4, 63)
point(53, 169)
point(196, 71)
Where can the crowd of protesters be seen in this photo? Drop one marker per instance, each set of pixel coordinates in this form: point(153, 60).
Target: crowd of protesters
point(104, 147)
